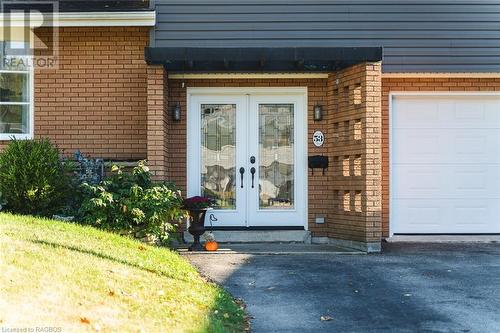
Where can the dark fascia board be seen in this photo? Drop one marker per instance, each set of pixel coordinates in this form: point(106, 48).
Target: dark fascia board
point(252, 59)
point(80, 5)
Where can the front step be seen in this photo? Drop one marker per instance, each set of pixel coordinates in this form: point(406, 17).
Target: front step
point(258, 236)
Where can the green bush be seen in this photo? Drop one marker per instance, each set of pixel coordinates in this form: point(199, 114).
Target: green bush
point(130, 203)
point(33, 178)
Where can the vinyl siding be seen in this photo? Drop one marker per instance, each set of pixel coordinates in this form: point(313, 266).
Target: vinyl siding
point(417, 36)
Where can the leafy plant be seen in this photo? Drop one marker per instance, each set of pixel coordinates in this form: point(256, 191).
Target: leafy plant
point(130, 203)
point(33, 178)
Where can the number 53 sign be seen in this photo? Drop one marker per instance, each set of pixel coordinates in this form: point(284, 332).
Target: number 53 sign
point(318, 138)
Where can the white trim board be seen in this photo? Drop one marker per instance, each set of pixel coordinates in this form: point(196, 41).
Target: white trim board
point(87, 19)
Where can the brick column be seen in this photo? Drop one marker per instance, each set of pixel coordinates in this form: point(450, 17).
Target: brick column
point(355, 118)
point(157, 122)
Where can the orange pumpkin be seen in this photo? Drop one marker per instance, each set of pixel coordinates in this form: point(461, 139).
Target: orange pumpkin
point(211, 246)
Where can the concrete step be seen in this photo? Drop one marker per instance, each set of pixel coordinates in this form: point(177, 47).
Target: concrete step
point(273, 248)
point(258, 236)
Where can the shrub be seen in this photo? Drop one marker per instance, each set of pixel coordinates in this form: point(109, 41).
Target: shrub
point(33, 178)
point(2, 201)
point(130, 203)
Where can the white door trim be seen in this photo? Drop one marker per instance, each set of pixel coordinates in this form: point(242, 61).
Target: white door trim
point(394, 94)
point(302, 135)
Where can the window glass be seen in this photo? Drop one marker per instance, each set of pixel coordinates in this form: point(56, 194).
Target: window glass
point(15, 93)
point(14, 119)
point(14, 87)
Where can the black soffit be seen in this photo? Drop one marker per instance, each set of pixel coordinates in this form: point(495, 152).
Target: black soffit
point(253, 59)
point(77, 5)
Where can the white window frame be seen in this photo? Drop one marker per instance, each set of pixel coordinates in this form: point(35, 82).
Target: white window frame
point(31, 107)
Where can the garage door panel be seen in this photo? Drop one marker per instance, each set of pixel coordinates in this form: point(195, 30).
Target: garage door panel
point(445, 164)
point(436, 112)
point(446, 146)
point(445, 181)
point(442, 215)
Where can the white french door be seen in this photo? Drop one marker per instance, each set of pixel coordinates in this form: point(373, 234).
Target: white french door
point(247, 151)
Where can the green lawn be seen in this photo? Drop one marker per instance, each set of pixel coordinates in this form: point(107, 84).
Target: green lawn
point(82, 279)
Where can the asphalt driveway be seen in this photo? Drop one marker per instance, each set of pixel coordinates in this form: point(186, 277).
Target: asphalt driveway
point(408, 288)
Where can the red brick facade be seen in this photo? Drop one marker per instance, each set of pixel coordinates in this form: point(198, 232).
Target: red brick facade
point(107, 102)
point(355, 184)
point(96, 100)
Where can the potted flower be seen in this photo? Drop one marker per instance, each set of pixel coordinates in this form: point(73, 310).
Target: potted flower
point(197, 208)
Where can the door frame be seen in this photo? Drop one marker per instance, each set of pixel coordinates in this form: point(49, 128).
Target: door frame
point(192, 146)
point(392, 97)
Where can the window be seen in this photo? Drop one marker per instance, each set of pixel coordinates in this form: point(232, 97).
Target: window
point(16, 98)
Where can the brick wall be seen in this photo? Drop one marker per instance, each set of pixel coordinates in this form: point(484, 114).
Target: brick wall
point(355, 184)
point(158, 122)
point(416, 84)
point(96, 100)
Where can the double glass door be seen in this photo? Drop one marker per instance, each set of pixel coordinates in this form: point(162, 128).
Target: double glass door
point(247, 152)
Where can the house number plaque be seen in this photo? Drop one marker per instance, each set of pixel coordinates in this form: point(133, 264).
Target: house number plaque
point(318, 138)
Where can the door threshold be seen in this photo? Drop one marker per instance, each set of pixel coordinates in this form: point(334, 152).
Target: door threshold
point(258, 236)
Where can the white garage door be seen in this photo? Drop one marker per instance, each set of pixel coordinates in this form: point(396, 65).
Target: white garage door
point(445, 164)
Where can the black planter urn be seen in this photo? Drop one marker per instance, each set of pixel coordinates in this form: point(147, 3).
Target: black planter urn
point(197, 227)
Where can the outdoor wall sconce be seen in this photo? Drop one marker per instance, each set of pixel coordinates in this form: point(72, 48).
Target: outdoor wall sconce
point(318, 112)
point(176, 112)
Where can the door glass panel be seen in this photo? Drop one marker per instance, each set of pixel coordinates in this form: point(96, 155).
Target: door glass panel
point(276, 146)
point(218, 154)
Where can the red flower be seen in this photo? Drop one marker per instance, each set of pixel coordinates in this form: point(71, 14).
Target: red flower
point(197, 202)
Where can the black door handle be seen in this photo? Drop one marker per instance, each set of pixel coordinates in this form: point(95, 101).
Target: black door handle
point(242, 171)
point(252, 171)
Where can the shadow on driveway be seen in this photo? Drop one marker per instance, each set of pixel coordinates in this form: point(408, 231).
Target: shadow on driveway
point(407, 288)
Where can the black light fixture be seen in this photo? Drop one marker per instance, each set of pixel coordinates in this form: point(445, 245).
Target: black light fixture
point(318, 112)
point(176, 112)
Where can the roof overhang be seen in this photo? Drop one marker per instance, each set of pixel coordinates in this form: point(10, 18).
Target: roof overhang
point(255, 59)
point(81, 19)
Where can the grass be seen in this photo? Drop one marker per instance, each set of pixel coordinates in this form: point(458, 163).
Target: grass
point(82, 279)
